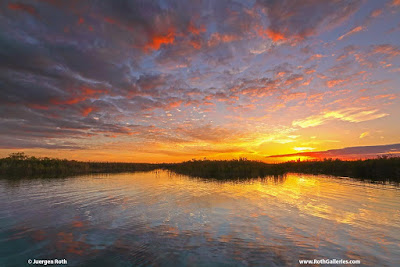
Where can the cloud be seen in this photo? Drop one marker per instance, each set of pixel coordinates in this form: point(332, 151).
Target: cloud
point(274, 35)
point(351, 32)
point(23, 7)
point(364, 134)
point(206, 133)
point(303, 148)
point(335, 82)
point(297, 20)
point(315, 57)
point(79, 95)
point(77, 73)
point(347, 153)
point(394, 3)
point(217, 38)
point(87, 110)
point(156, 41)
point(386, 49)
point(376, 13)
point(346, 114)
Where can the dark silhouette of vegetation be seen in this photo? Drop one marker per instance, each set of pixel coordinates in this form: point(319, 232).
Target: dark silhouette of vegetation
point(21, 165)
point(379, 169)
point(226, 169)
point(383, 168)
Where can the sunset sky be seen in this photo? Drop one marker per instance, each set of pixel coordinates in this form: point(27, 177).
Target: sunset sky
point(167, 81)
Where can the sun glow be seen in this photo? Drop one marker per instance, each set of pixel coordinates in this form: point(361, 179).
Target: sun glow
point(196, 81)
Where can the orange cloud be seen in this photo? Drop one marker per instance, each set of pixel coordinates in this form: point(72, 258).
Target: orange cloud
point(90, 91)
point(158, 40)
point(351, 32)
point(174, 104)
point(293, 96)
point(376, 13)
point(23, 7)
point(275, 35)
point(84, 94)
point(316, 56)
point(87, 111)
point(395, 3)
point(217, 38)
point(386, 49)
point(195, 43)
point(309, 71)
point(281, 73)
point(37, 106)
point(389, 96)
point(334, 82)
point(293, 79)
point(347, 114)
point(69, 101)
point(196, 30)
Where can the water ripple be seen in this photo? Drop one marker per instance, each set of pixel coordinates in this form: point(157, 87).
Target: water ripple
point(159, 218)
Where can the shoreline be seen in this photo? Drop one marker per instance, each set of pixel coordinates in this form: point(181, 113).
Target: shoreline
point(378, 169)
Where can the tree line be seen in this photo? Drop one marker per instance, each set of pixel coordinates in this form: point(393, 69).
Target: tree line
point(381, 168)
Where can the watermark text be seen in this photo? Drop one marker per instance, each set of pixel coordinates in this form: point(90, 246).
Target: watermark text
point(48, 261)
point(329, 261)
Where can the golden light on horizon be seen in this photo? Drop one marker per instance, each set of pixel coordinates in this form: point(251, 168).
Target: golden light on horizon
point(169, 89)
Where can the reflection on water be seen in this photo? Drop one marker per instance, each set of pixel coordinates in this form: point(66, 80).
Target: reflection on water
point(158, 218)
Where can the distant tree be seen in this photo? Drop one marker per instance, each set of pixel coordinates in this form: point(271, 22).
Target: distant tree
point(18, 156)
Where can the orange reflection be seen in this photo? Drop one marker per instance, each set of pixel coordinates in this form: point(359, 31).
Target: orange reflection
point(67, 243)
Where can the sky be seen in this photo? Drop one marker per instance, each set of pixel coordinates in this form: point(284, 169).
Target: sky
point(168, 81)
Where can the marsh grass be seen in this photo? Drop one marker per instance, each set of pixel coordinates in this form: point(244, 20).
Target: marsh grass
point(378, 169)
point(21, 165)
point(226, 169)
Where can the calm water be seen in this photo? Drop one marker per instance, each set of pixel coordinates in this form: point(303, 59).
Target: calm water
point(162, 219)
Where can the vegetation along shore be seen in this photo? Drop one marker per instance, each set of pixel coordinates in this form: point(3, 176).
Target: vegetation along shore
point(380, 169)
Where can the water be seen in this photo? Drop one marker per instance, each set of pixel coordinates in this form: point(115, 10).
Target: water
point(163, 219)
